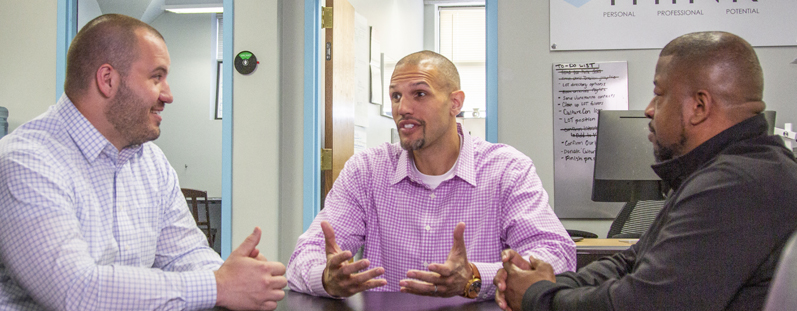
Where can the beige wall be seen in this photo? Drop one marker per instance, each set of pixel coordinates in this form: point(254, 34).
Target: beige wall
point(27, 58)
point(291, 125)
point(256, 126)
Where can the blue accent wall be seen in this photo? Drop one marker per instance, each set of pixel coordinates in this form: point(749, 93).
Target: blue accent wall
point(226, 127)
point(67, 28)
point(492, 71)
point(311, 168)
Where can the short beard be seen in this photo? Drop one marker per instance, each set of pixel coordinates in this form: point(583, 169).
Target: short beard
point(122, 113)
point(664, 153)
point(414, 145)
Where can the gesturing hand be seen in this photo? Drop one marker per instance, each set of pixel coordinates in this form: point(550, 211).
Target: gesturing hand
point(247, 281)
point(516, 276)
point(340, 278)
point(443, 280)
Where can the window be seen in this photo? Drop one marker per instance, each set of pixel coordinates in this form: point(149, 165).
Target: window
point(462, 38)
point(219, 36)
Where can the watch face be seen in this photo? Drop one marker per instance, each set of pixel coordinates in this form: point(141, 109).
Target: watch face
point(474, 289)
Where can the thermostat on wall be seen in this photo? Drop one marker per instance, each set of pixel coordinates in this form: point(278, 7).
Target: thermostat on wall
point(245, 62)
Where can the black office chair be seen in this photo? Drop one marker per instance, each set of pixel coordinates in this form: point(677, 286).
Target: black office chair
point(784, 283)
point(634, 219)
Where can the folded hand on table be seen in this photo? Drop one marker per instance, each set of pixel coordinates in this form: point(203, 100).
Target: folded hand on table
point(516, 276)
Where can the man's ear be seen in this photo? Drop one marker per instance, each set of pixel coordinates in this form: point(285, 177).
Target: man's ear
point(107, 79)
point(701, 107)
point(457, 99)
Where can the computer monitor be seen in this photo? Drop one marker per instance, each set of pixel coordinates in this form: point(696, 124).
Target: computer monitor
point(623, 156)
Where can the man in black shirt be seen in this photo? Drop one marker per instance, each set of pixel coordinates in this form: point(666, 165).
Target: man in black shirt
point(733, 204)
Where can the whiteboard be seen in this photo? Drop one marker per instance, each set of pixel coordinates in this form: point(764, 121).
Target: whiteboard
point(651, 24)
point(580, 91)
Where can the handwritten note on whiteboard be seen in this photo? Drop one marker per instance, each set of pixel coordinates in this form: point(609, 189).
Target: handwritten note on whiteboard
point(580, 91)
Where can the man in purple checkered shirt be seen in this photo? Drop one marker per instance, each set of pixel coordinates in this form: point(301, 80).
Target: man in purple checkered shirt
point(434, 213)
point(93, 217)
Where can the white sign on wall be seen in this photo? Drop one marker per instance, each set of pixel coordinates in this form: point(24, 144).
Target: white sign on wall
point(648, 24)
point(580, 92)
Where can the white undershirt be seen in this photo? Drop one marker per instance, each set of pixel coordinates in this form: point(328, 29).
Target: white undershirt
point(435, 180)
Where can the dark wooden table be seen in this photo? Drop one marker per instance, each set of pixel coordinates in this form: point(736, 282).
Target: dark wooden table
point(388, 301)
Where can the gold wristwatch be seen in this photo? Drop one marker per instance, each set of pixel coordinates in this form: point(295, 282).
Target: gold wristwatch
point(474, 285)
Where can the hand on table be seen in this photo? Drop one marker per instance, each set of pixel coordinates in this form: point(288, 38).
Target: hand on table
point(516, 276)
point(247, 281)
point(443, 280)
point(340, 277)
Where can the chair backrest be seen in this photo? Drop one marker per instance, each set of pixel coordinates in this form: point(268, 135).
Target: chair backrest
point(784, 284)
point(635, 218)
point(193, 196)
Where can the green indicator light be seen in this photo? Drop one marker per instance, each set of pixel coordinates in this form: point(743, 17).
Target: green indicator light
point(245, 55)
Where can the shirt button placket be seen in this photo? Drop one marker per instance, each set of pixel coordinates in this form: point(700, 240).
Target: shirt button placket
point(428, 228)
point(427, 237)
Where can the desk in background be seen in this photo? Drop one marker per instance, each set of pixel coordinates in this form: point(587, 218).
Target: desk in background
point(589, 250)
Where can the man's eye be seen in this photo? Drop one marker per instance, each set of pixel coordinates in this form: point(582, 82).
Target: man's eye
point(421, 94)
point(396, 96)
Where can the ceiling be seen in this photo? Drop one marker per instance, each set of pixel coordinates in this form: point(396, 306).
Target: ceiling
point(145, 10)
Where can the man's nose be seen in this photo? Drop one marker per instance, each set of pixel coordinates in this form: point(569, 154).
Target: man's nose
point(650, 110)
point(166, 94)
point(404, 106)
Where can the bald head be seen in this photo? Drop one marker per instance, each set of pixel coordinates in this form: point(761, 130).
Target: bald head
point(720, 62)
point(108, 39)
point(448, 74)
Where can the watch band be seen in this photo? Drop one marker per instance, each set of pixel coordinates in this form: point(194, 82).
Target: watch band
point(473, 287)
point(476, 274)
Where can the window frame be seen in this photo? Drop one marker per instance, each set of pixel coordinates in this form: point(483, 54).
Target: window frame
point(482, 113)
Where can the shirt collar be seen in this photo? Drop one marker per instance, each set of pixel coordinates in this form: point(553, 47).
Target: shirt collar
point(87, 138)
point(675, 171)
point(465, 165)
